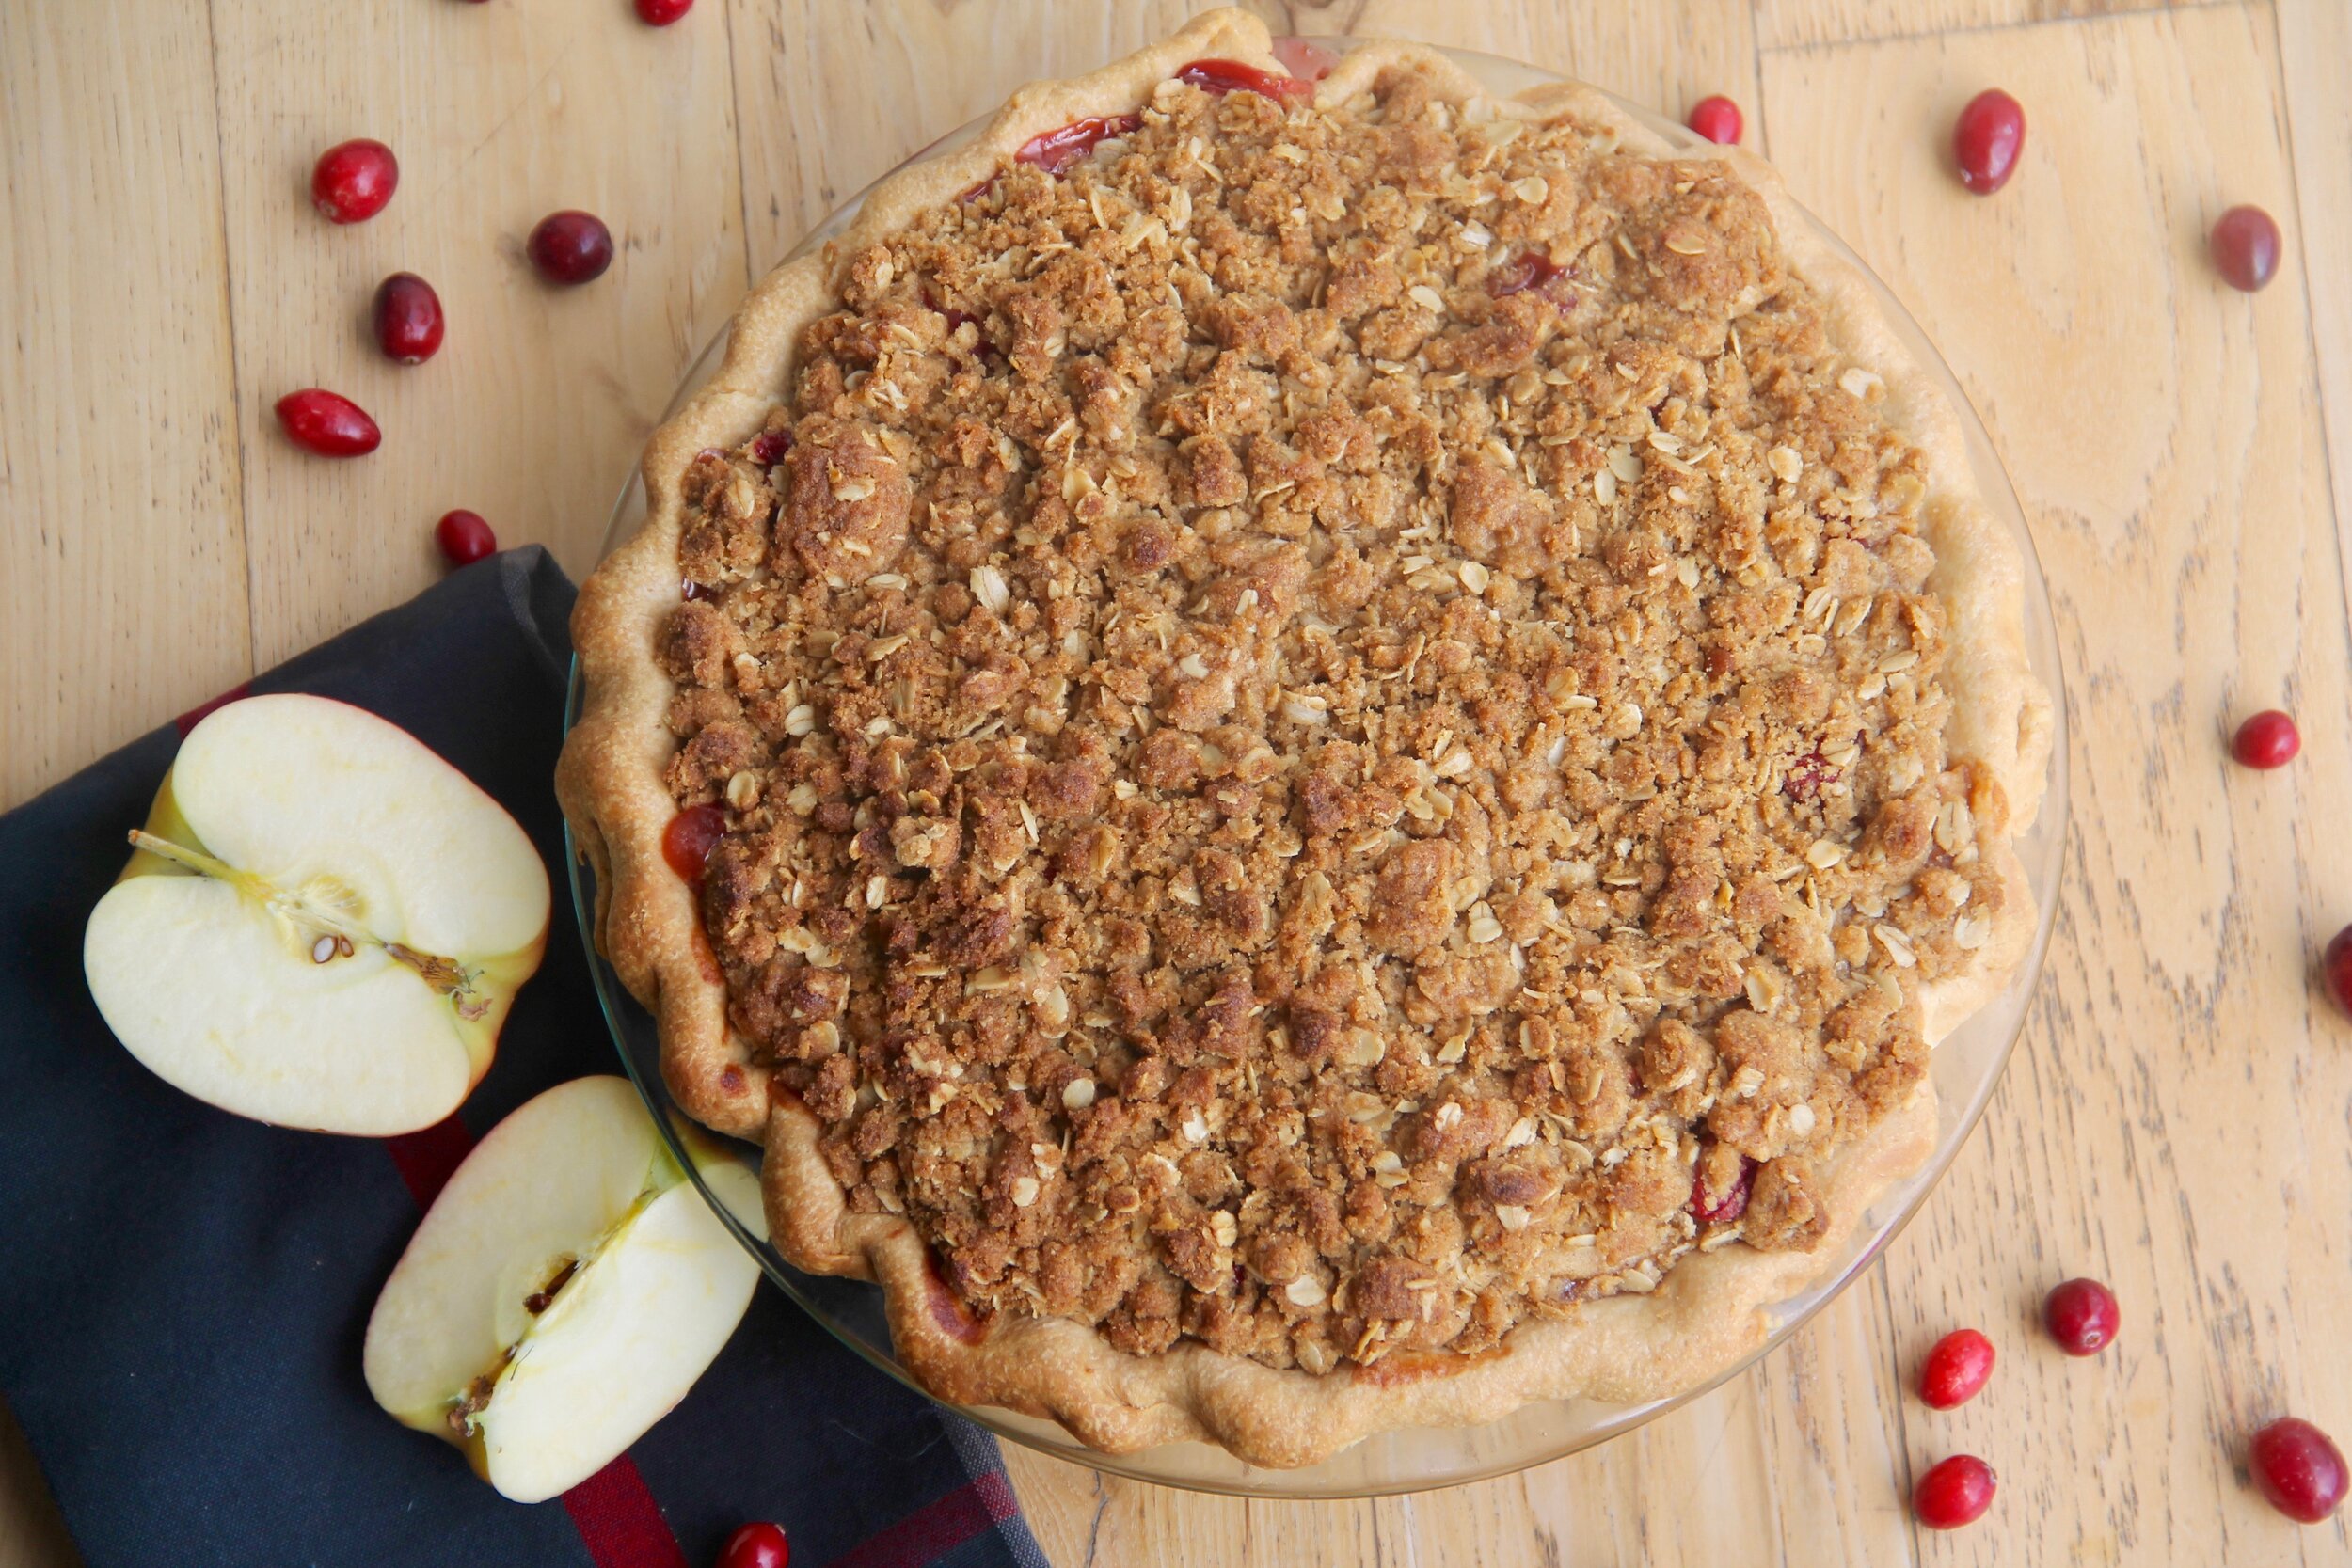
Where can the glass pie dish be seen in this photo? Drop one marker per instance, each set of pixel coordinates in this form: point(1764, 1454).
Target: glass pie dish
point(1965, 1068)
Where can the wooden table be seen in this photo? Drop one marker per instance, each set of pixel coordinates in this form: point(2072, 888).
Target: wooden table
point(2177, 1120)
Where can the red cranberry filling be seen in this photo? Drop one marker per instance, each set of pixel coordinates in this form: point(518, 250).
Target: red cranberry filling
point(689, 839)
point(1731, 1205)
point(1529, 269)
point(1806, 776)
point(1224, 76)
point(1055, 151)
point(770, 446)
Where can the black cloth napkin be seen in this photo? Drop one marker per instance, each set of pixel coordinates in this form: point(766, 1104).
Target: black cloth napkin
point(183, 1292)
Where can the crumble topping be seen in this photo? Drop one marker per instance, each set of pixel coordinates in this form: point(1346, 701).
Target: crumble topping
point(1329, 730)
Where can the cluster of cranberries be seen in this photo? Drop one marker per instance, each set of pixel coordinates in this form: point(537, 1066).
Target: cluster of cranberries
point(2294, 1463)
point(354, 181)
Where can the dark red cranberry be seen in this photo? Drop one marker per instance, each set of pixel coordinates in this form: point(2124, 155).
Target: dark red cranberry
point(1956, 1368)
point(2268, 739)
point(660, 13)
point(328, 423)
point(1730, 1204)
point(1224, 76)
point(2298, 1470)
point(759, 1545)
point(2082, 1316)
point(1717, 119)
point(465, 537)
point(1989, 135)
point(1304, 59)
point(353, 180)
point(768, 446)
point(689, 839)
point(2335, 966)
point(571, 248)
point(2245, 245)
point(1953, 1492)
point(1057, 150)
point(407, 319)
point(1529, 269)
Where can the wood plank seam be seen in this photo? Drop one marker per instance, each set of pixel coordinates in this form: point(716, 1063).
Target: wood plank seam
point(228, 311)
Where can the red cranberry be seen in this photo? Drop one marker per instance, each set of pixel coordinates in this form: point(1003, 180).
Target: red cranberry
point(1991, 134)
point(571, 248)
point(1956, 1368)
point(1223, 76)
point(407, 319)
point(759, 1545)
point(2081, 1316)
point(2269, 740)
point(1717, 119)
point(326, 423)
point(1955, 1492)
point(2245, 244)
point(1057, 150)
point(464, 537)
point(660, 13)
point(2336, 965)
point(689, 839)
point(2298, 1470)
point(1730, 1204)
point(1304, 59)
point(353, 180)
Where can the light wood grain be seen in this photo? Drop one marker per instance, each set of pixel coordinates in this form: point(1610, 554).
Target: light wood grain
point(1793, 24)
point(499, 113)
point(121, 542)
point(2176, 1120)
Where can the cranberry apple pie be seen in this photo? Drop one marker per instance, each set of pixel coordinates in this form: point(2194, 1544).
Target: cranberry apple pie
point(1315, 755)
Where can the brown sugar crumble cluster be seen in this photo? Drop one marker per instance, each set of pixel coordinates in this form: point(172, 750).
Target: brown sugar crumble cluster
point(1329, 729)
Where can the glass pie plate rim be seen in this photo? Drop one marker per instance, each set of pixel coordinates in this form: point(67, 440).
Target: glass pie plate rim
point(1965, 1068)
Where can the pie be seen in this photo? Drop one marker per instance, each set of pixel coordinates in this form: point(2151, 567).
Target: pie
point(1315, 755)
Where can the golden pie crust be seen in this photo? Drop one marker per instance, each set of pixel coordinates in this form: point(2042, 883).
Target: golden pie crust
point(1232, 1331)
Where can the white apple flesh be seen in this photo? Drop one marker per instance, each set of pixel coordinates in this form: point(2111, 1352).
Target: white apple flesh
point(323, 924)
point(564, 1291)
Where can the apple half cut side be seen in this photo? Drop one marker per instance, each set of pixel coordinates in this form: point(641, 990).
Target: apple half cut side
point(322, 923)
point(565, 1289)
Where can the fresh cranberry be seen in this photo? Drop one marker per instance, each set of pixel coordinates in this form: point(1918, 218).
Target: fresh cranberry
point(759, 1545)
point(1224, 76)
point(328, 423)
point(689, 839)
point(2245, 244)
point(1304, 59)
point(464, 537)
point(2298, 1470)
point(571, 248)
point(1956, 1368)
point(660, 13)
point(1717, 119)
point(2335, 965)
point(1991, 134)
point(1953, 1492)
point(353, 180)
point(2269, 740)
point(1057, 150)
point(2081, 1316)
point(407, 319)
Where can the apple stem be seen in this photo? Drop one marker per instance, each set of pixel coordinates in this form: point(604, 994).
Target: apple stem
point(450, 978)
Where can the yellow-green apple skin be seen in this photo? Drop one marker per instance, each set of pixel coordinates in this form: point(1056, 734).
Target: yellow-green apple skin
point(284, 820)
point(565, 1289)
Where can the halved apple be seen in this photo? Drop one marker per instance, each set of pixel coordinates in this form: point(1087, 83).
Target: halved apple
point(564, 1291)
point(322, 923)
